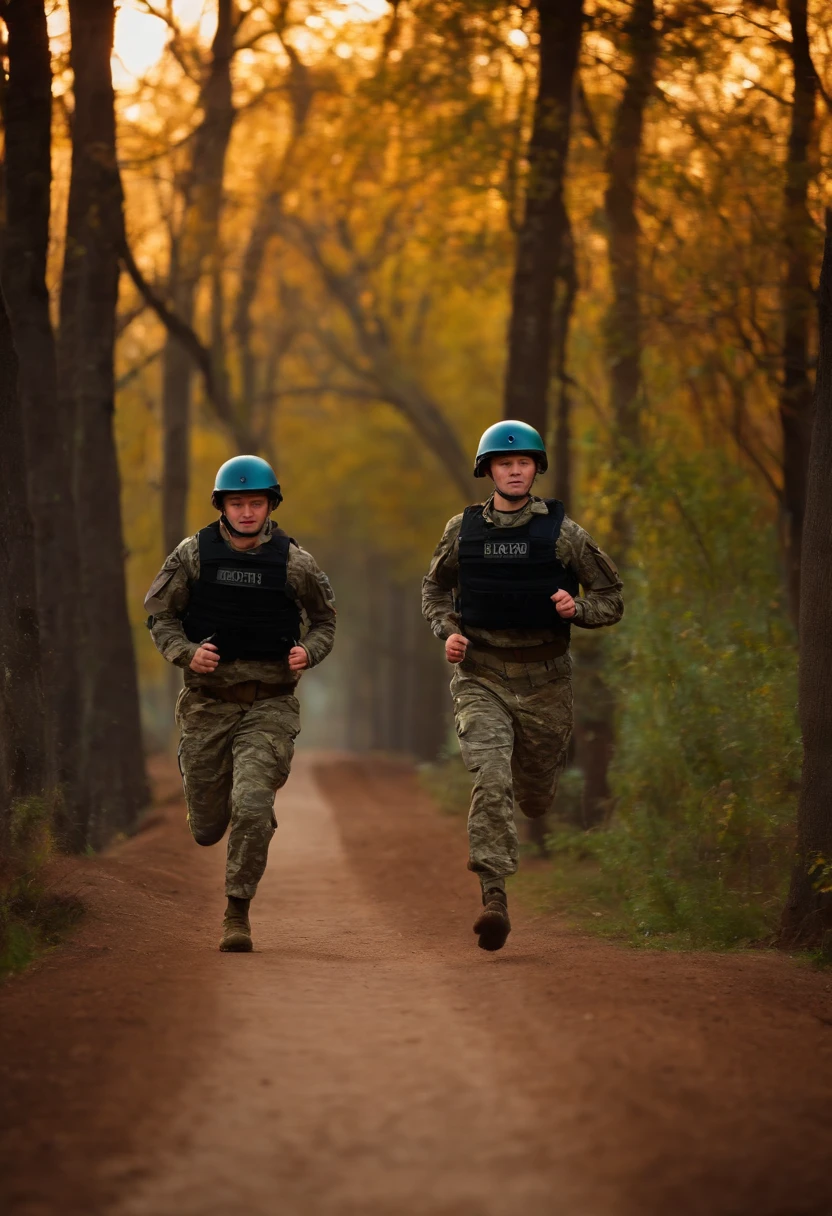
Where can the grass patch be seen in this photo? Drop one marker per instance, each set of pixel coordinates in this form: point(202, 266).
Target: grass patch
point(33, 918)
point(32, 923)
point(584, 883)
point(449, 784)
point(656, 881)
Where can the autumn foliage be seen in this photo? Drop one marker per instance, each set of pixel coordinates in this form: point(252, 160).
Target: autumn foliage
point(329, 211)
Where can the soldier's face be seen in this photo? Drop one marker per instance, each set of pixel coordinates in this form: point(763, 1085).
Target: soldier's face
point(246, 512)
point(513, 474)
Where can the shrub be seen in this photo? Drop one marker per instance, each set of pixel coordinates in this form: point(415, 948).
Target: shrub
point(707, 756)
point(704, 668)
point(32, 917)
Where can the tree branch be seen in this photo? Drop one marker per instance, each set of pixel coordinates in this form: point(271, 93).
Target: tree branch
point(195, 347)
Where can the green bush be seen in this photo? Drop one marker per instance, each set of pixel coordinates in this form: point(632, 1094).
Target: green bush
point(704, 669)
point(707, 753)
point(447, 780)
point(32, 917)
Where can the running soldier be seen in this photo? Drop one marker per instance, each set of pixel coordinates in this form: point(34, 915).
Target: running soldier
point(244, 610)
point(502, 592)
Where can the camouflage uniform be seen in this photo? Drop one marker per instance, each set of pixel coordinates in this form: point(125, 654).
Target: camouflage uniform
point(514, 719)
point(235, 755)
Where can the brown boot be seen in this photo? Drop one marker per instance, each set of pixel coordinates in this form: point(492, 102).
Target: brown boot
point(493, 925)
point(236, 931)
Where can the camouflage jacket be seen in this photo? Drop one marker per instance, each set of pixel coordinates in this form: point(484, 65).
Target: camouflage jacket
point(600, 604)
point(167, 600)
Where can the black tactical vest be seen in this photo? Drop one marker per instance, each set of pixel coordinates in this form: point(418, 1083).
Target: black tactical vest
point(507, 575)
point(240, 600)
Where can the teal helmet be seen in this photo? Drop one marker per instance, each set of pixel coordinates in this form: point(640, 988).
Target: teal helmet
point(511, 436)
point(246, 474)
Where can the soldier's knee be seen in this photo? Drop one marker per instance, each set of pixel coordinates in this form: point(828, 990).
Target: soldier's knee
point(495, 776)
point(207, 836)
point(256, 814)
point(537, 800)
point(489, 765)
point(534, 810)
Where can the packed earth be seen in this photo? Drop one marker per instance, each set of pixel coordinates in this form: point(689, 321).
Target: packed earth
point(368, 1058)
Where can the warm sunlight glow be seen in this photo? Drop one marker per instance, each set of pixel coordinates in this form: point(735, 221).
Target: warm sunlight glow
point(141, 36)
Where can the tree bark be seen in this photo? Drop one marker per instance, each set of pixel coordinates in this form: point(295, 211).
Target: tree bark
point(541, 233)
point(48, 429)
point(807, 918)
point(623, 325)
point(797, 298)
point(301, 88)
point(196, 242)
point(564, 306)
point(111, 751)
point(23, 767)
point(595, 703)
point(558, 481)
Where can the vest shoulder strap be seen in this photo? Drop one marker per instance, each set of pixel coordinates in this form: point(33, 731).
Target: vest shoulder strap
point(211, 543)
point(470, 515)
point(543, 525)
point(550, 525)
point(281, 535)
point(213, 548)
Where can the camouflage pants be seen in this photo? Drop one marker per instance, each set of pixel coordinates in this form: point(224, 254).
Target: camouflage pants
point(234, 759)
point(514, 744)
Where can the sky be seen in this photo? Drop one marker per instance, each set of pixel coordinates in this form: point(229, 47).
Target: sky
point(140, 37)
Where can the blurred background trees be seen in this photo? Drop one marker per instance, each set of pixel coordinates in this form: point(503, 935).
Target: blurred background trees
point(353, 234)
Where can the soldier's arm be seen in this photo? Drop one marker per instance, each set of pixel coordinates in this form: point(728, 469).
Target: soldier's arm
point(439, 583)
point(167, 600)
point(313, 592)
point(601, 602)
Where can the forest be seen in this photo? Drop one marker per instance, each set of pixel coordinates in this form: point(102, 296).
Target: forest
point(347, 235)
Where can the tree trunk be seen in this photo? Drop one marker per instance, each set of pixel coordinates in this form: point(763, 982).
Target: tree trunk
point(558, 480)
point(623, 341)
point(807, 918)
point(564, 306)
point(797, 299)
point(623, 327)
point(177, 373)
point(23, 769)
point(48, 429)
point(111, 750)
point(197, 240)
point(541, 234)
point(301, 89)
point(594, 727)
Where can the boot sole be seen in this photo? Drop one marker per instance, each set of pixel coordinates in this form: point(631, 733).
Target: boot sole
point(238, 944)
point(493, 928)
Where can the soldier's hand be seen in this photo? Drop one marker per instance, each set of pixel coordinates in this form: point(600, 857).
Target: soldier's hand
point(455, 648)
point(298, 659)
point(206, 658)
point(564, 603)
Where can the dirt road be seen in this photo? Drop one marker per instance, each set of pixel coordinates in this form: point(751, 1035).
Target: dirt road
point(368, 1059)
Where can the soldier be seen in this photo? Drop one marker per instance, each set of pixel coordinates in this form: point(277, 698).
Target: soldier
point(226, 606)
point(502, 592)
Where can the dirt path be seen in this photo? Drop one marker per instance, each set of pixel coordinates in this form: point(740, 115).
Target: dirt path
point(368, 1059)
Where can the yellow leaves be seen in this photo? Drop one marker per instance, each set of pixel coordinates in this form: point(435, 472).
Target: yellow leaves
point(821, 868)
